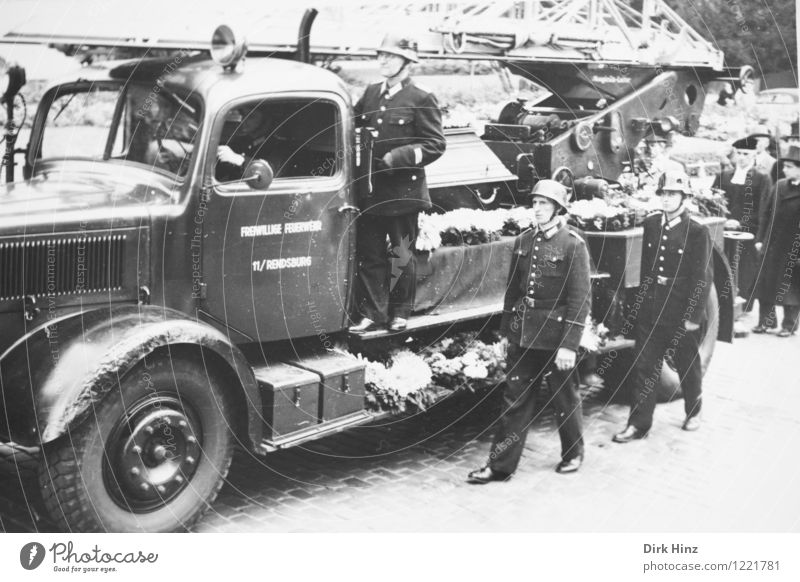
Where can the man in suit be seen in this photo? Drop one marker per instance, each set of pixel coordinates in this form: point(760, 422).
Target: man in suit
point(407, 124)
point(676, 278)
point(547, 302)
point(779, 237)
point(746, 190)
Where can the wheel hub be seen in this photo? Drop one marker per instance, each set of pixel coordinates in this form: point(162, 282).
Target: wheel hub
point(154, 454)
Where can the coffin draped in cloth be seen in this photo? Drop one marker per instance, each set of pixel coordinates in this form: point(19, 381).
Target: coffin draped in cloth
point(453, 278)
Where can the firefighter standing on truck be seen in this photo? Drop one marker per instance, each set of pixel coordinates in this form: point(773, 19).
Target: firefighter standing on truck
point(547, 302)
point(407, 124)
point(676, 278)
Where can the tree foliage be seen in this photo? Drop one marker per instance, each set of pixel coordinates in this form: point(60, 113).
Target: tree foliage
point(760, 33)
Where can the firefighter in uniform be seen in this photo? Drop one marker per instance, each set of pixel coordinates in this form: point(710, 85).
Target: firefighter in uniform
point(676, 278)
point(407, 122)
point(547, 302)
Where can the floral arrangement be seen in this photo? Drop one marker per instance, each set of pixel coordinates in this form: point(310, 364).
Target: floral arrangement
point(406, 379)
point(465, 362)
point(464, 226)
point(599, 215)
point(398, 381)
point(467, 226)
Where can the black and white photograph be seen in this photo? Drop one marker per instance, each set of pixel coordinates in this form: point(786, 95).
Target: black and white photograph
point(496, 268)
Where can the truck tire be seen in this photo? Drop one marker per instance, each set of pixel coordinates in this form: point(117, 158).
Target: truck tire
point(669, 388)
point(151, 458)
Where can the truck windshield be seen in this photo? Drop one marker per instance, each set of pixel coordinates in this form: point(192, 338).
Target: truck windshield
point(139, 124)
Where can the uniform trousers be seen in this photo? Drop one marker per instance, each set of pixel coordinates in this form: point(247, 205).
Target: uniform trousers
point(525, 370)
point(653, 343)
point(768, 318)
point(386, 280)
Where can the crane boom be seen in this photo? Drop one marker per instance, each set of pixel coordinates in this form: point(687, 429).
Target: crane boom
point(576, 31)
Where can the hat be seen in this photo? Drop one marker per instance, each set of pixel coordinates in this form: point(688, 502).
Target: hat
point(401, 46)
point(793, 155)
point(746, 143)
point(552, 190)
point(674, 181)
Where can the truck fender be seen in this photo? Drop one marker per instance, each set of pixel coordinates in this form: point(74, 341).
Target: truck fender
point(51, 378)
point(723, 278)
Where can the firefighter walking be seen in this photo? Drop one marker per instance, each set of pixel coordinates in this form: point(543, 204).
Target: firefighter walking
point(676, 278)
point(547, 302)
point(408, 126)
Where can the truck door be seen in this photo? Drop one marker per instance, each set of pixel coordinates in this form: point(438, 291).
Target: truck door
point(277, 263)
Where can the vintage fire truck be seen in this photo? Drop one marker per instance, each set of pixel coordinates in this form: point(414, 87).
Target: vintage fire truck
point(157, 314)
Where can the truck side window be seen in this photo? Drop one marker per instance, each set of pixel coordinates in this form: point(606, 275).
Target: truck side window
point(297, 137)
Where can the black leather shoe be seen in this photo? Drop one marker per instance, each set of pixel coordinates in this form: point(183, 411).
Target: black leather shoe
point(785, 333)
point(760, 329)
point(569, 465)
point(486, 475)
point(692, 423)
point(363, 326)
point(631, 433)
point(398, 324)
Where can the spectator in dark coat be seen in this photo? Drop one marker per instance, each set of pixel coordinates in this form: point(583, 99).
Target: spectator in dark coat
point(779, 238)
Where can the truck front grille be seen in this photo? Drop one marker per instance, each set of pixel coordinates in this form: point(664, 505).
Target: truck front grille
point(54, 266)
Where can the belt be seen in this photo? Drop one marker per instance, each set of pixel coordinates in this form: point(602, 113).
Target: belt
point(668, 280)
point(533, 303)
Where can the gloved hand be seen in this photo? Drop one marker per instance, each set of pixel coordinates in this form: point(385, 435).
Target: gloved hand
point(227, 155)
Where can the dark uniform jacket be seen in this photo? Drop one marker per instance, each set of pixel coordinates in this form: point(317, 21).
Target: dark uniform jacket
point(409, 124)
point(780, 233)
point(548, 296)
point(677, 271)
point(746, 201)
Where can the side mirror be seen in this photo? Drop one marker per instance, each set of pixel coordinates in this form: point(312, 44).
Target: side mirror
point(258, 174)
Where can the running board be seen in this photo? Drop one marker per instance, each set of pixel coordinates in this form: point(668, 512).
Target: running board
point(320, 430)
point(419, 322)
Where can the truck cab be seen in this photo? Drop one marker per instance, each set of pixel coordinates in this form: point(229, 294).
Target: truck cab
point(143, 275)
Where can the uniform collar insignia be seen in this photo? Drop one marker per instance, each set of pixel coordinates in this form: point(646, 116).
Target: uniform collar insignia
point(674, 222)
point(551, 228)
point(392, 91)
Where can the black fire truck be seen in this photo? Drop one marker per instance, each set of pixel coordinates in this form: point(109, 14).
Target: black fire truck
point(155, 315)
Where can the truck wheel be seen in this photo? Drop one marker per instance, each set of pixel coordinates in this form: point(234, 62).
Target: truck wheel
point(151, 458)
point(669, 387)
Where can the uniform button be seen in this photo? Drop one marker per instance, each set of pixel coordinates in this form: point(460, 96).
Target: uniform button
point(383, 107)
point(663, 248)
point(660, 258)
point(664, 237)
point(536, 248)
point(363, 117)
point(402, 121)
point(680, 251)
point(661, 268)
point(413, 177)
point(380, 121)
point(534, 256)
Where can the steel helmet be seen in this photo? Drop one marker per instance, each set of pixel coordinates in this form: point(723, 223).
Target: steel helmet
point(675, 181)
point(402, 46)
point(551, 190)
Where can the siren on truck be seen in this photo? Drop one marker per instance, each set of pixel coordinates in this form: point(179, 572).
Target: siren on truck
point(227, 49)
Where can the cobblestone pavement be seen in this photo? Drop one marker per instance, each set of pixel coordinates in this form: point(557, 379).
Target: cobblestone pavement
point(738, 473)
